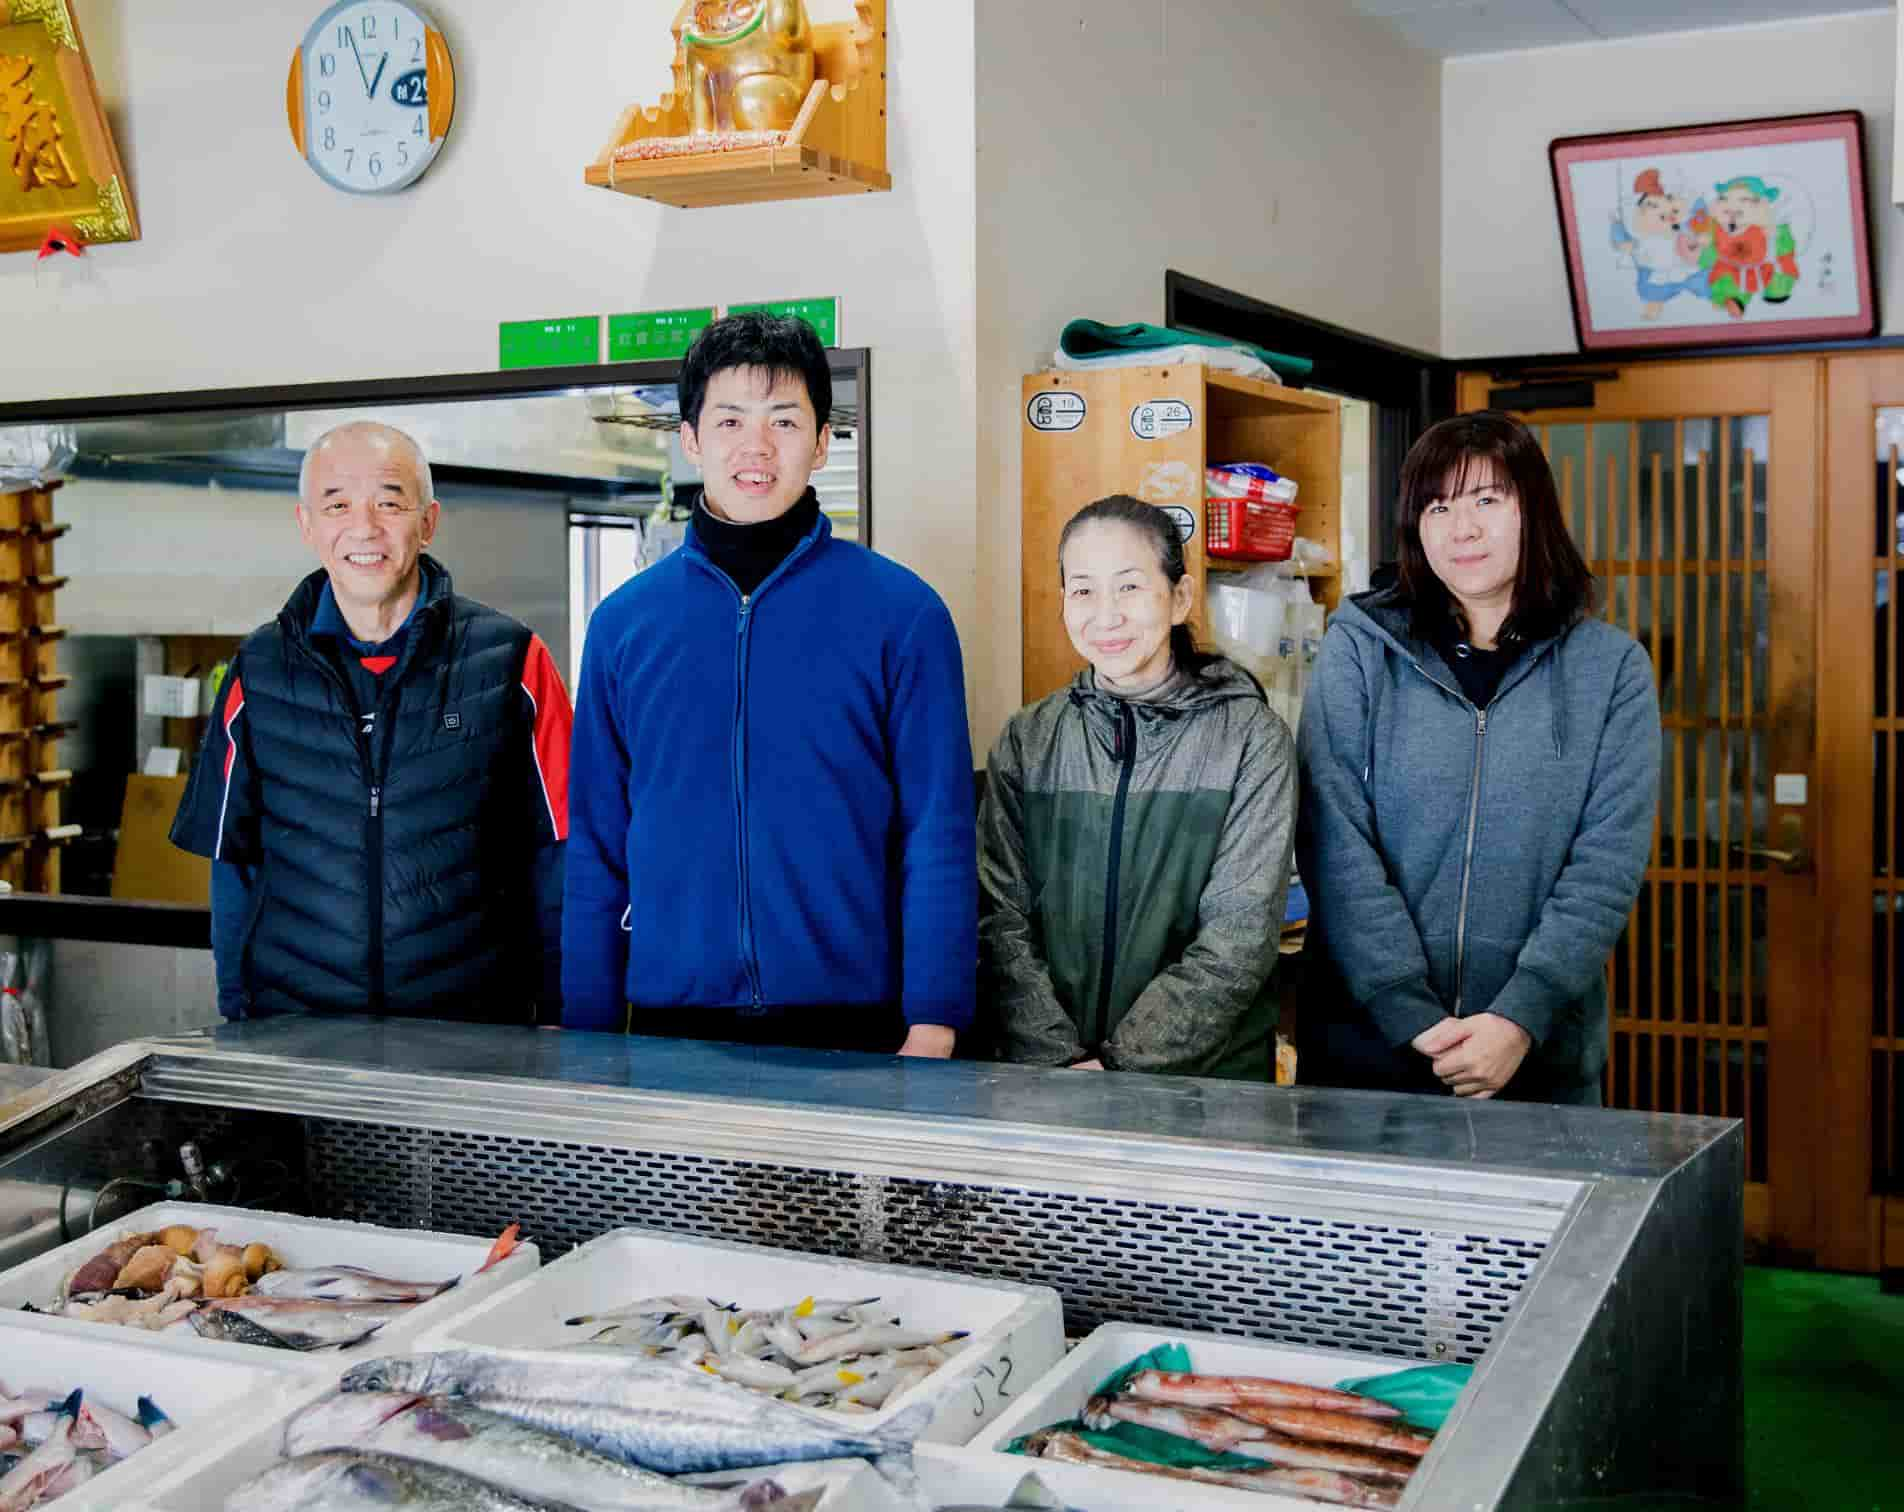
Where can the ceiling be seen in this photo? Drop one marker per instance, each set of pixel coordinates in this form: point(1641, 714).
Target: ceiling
point(1452, 28)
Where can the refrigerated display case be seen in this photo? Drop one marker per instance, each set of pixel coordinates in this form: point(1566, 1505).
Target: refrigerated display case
point(1587, 1263)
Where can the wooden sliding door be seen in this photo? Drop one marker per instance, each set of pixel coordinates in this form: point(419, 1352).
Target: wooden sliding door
point(1861, 693)
point(1694, 490)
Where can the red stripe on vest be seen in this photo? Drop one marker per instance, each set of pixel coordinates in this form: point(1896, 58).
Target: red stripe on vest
point(377, 665)
point(554, 720)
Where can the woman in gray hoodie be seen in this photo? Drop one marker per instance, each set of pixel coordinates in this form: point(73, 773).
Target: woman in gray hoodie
point(1480, 770)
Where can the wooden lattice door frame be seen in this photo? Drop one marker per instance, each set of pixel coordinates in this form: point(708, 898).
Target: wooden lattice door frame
point(1860, 1226)
point(1770, 863)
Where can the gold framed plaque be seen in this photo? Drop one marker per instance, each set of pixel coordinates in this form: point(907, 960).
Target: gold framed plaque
point(59, 168)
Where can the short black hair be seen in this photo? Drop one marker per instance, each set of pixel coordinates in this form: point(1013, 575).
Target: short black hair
point(1553, 586)
point(776, 344)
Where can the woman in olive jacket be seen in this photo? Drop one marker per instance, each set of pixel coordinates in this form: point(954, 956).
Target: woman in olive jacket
point(1134, 841)
point(1480, 771)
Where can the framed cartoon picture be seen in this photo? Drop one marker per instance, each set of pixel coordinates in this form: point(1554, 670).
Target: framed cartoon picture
point(1748, 232)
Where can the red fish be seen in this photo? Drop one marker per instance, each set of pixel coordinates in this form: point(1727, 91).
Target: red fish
point(506, 1245)
point(1223, 1391)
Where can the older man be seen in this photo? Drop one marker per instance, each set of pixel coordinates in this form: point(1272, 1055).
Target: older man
point(384, 788)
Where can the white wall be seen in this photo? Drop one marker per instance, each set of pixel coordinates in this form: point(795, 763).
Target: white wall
point(253, 272)
point(1283, 148)
point(1504, 282)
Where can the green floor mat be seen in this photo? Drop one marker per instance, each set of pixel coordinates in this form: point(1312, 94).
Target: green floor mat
point(1824, 1393)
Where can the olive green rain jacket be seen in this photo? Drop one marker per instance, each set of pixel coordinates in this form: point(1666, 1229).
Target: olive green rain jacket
point(1133, 864)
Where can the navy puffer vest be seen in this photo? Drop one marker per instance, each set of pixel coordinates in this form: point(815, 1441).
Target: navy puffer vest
point(394, 867)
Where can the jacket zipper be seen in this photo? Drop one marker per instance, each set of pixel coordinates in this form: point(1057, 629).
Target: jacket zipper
point(1124, 747)
point(740, 799)
point(1467, 860)
point(374, 770)
point(737, 753)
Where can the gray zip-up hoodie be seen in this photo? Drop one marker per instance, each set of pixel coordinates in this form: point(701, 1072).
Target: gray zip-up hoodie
point(1461, 860)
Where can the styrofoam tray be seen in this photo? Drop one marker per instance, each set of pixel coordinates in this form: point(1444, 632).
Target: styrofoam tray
point(413, 1254)
point(1062, 1394)
point(202, 1482)
point(1016, 1332)
point(204, 1397)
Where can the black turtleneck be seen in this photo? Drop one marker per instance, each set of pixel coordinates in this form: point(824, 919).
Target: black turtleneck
point(749, 553)
point(1479, 672)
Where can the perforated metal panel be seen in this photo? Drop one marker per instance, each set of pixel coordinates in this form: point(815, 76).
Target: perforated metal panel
point(1387, 1288)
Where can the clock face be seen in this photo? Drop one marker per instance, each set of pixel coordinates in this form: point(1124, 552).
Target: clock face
point(369, 67)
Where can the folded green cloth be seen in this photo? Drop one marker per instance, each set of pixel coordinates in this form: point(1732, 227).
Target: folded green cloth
point(1091, 338)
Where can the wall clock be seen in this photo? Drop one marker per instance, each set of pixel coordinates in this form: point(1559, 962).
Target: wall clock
point(371, 95)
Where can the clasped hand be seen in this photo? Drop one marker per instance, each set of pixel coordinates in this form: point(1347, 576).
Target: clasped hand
point(1475, 1056)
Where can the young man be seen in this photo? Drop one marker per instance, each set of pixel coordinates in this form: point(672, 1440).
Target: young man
point(774, 836)
point(384, 790)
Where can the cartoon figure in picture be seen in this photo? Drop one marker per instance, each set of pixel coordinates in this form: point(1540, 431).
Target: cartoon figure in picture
point(1664, 247)
point(1754, 250)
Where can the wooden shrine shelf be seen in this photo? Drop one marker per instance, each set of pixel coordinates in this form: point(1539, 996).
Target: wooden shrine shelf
point(837, 144)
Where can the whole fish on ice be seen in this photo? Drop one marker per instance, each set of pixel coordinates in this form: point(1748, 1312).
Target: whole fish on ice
point(640, 1412)
point(459, 1435)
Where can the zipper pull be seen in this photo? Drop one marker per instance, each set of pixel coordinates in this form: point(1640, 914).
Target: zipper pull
point(376, 801)
point(1480, 721)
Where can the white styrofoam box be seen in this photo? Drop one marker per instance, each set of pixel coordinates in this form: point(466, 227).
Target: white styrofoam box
point(1061, 1395)
point(408, 1254)
point(115, 1366)
point(1017, 1332)
point(208, 1477)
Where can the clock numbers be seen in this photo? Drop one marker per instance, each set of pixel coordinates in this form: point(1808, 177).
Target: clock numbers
point(371, 91)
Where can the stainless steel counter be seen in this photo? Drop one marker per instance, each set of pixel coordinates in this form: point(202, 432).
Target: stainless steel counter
point(1588, 1262)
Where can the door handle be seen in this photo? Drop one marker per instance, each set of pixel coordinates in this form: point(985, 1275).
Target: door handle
point(1797, 862)
point(1794, 857)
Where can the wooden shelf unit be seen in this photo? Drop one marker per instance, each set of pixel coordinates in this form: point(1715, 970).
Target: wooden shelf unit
point(1231, 419)
point(31, 775)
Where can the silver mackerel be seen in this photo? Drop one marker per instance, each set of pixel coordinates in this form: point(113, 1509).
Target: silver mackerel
point(637, 1411)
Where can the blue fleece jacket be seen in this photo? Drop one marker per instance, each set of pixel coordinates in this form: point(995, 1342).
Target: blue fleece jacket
point(1461, 860)
point(772, 798)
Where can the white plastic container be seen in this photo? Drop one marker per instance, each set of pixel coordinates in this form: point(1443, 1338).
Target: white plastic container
point(410, 1254)
point(204, 1397)
point(1061, 1396)
point(1016, 1332)
point(204, 1480)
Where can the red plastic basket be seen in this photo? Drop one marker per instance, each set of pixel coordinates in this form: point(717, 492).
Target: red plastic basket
point(1249, 530)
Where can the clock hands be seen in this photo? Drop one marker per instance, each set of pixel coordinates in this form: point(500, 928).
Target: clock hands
point(382, 63)
point(351, 37)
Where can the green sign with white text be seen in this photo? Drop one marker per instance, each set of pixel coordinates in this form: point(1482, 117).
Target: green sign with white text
point(569, 342)
point(653, 335)
point(822, 314)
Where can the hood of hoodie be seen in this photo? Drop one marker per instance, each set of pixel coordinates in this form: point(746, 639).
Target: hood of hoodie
point(1383, 614)
point(1157, 719)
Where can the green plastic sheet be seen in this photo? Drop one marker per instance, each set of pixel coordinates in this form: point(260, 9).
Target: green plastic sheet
point(1425, 1396)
